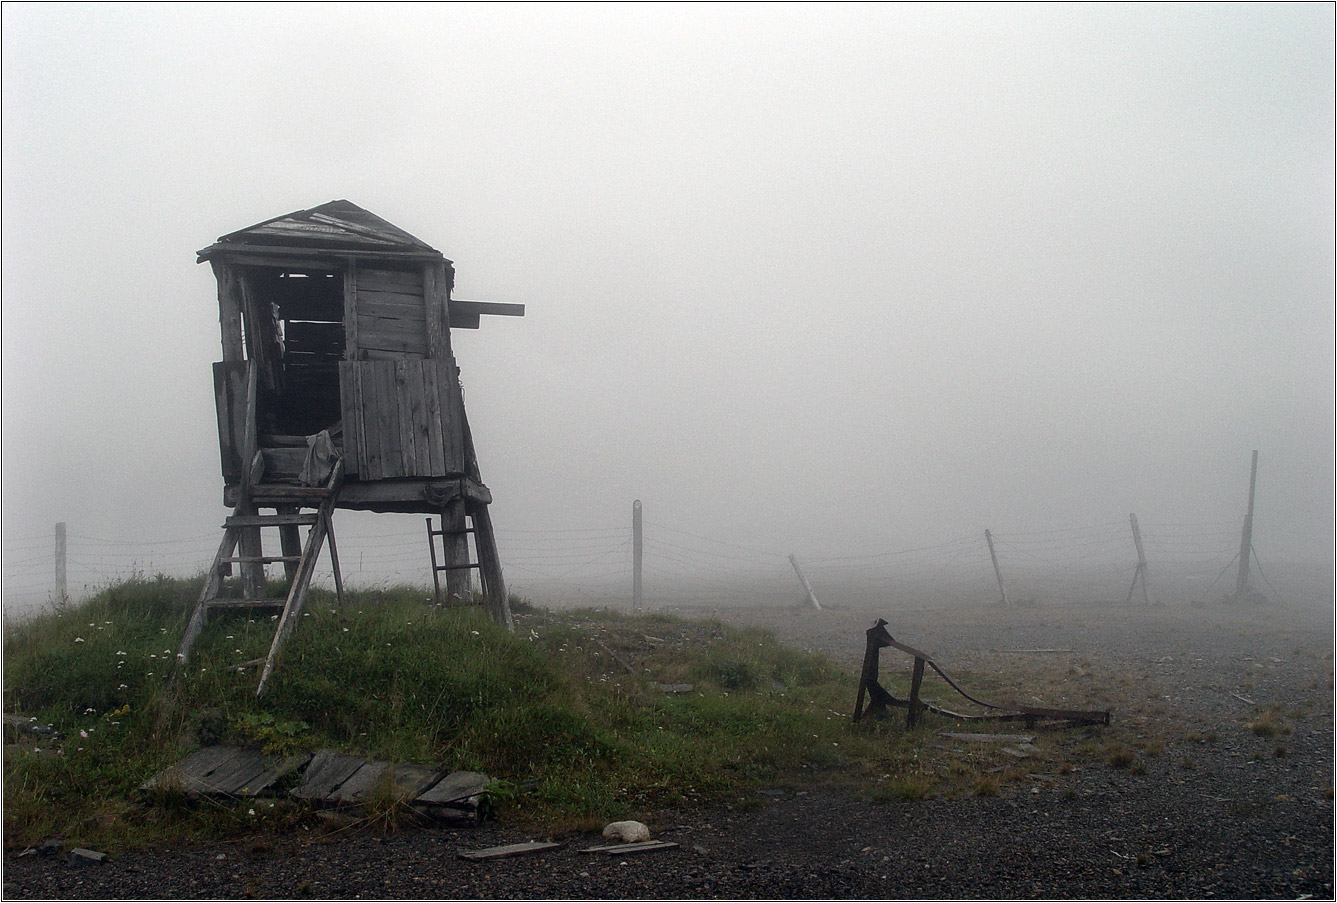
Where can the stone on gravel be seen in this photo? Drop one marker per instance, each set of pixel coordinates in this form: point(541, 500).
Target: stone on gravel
point(52, 846)
point(627, 831)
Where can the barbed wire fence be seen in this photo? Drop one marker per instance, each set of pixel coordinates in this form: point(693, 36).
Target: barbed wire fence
point(1084, 562)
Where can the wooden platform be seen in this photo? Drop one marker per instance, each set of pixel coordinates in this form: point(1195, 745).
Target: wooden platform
point(327, 778)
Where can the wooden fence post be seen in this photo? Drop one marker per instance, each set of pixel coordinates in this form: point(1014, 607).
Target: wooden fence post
point(811, 601)
point(1242, 587)
point(62, 595)
point(988, 538)
point(1141, 563)
point(637, 548)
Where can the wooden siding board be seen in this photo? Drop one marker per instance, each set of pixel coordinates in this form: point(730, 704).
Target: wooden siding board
point(414, 346)
point(352, 348)
point(395, 280)
point(408, 300)
point(352, 419)
point(431, 394)
point(436, 297)
point(375, 328)
point(387, 420)
point(404, 395)
point(229, 393)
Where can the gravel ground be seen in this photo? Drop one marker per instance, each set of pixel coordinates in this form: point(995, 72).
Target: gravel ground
point(1220, 813)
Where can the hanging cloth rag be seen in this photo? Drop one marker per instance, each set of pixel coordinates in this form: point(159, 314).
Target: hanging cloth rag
point(320, 458)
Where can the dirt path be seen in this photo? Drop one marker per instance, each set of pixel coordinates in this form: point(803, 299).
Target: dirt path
point(1218, 810)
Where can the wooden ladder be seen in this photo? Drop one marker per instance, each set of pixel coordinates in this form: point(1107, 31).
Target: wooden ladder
point(488, 564)
point(243, 529)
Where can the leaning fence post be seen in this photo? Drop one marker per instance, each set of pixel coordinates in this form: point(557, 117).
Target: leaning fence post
point(916, 707)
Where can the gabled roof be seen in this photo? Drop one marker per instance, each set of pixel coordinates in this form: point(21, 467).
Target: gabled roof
point(335, 226)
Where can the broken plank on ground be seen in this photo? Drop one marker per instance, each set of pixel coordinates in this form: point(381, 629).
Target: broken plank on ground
point(326, 774)
point(508, 850)
point(406, 782)
point(227, 770)
point(622, 849)
point(990, 738)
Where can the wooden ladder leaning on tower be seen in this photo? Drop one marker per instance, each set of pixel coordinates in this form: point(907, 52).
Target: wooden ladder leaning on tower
point(241, 545)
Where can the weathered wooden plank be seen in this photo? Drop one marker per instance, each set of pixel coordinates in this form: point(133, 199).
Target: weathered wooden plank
point(436, 301)
point(508, 850)
point(628, 849)
point(406, 346)
point(408, 439)
point(406, 782)
point(989, 738)
point(383, 417)
point(374, 450)
point(454, 788)
point(352, 346)
point(379, 278)
point(431, 395)
point(227, 771)
point(351, 411)
point(229, 309)
point(230, 410)
point(326, 773)
point(487, 308)
point(394, 329)
point(401, 304)
point(452, 409)
point(200, 763)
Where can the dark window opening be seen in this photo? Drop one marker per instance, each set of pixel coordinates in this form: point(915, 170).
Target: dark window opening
point(307, 343)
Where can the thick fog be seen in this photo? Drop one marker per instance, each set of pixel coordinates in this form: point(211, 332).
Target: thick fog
point(854, 283)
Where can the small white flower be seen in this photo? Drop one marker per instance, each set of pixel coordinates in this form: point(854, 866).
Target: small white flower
point(123, 687)
point(474, 632)
point(120, 652)
point(83, 734)
point(250, 811)
point(78, 639)
point(152, 655)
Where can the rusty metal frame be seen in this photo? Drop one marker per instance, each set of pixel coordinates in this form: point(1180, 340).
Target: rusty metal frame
point(879, 700)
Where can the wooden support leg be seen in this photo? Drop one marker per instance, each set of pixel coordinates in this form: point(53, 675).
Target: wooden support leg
point(456, 543)
point(252, 572)
point(334, 557)
point(916, 707)
point(290, 539)
point(489, 564)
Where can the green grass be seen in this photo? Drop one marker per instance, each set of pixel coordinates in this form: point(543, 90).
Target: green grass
point(568, 713)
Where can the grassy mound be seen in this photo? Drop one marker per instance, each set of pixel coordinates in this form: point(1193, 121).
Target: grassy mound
point(584, 716)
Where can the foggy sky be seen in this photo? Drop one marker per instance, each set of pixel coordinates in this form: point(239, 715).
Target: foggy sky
point(823, 280)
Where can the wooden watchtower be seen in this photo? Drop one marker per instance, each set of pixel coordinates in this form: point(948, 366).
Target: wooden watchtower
point(338, 389)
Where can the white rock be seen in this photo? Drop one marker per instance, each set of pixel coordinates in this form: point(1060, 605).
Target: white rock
point(627, 831)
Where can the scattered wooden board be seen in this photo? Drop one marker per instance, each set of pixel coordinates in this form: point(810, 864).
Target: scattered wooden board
point(408, 780)
point(456, 788)
point(510, 849)
point(326, 773)
point(228, 771)
point(990, 738)
point(627, 849)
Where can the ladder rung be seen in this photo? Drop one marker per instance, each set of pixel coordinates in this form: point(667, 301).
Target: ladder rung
point(271, 520)
point(455, 567)
point(247, 603)
point(287, 493)
point(262, 559)
point(452, 532)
